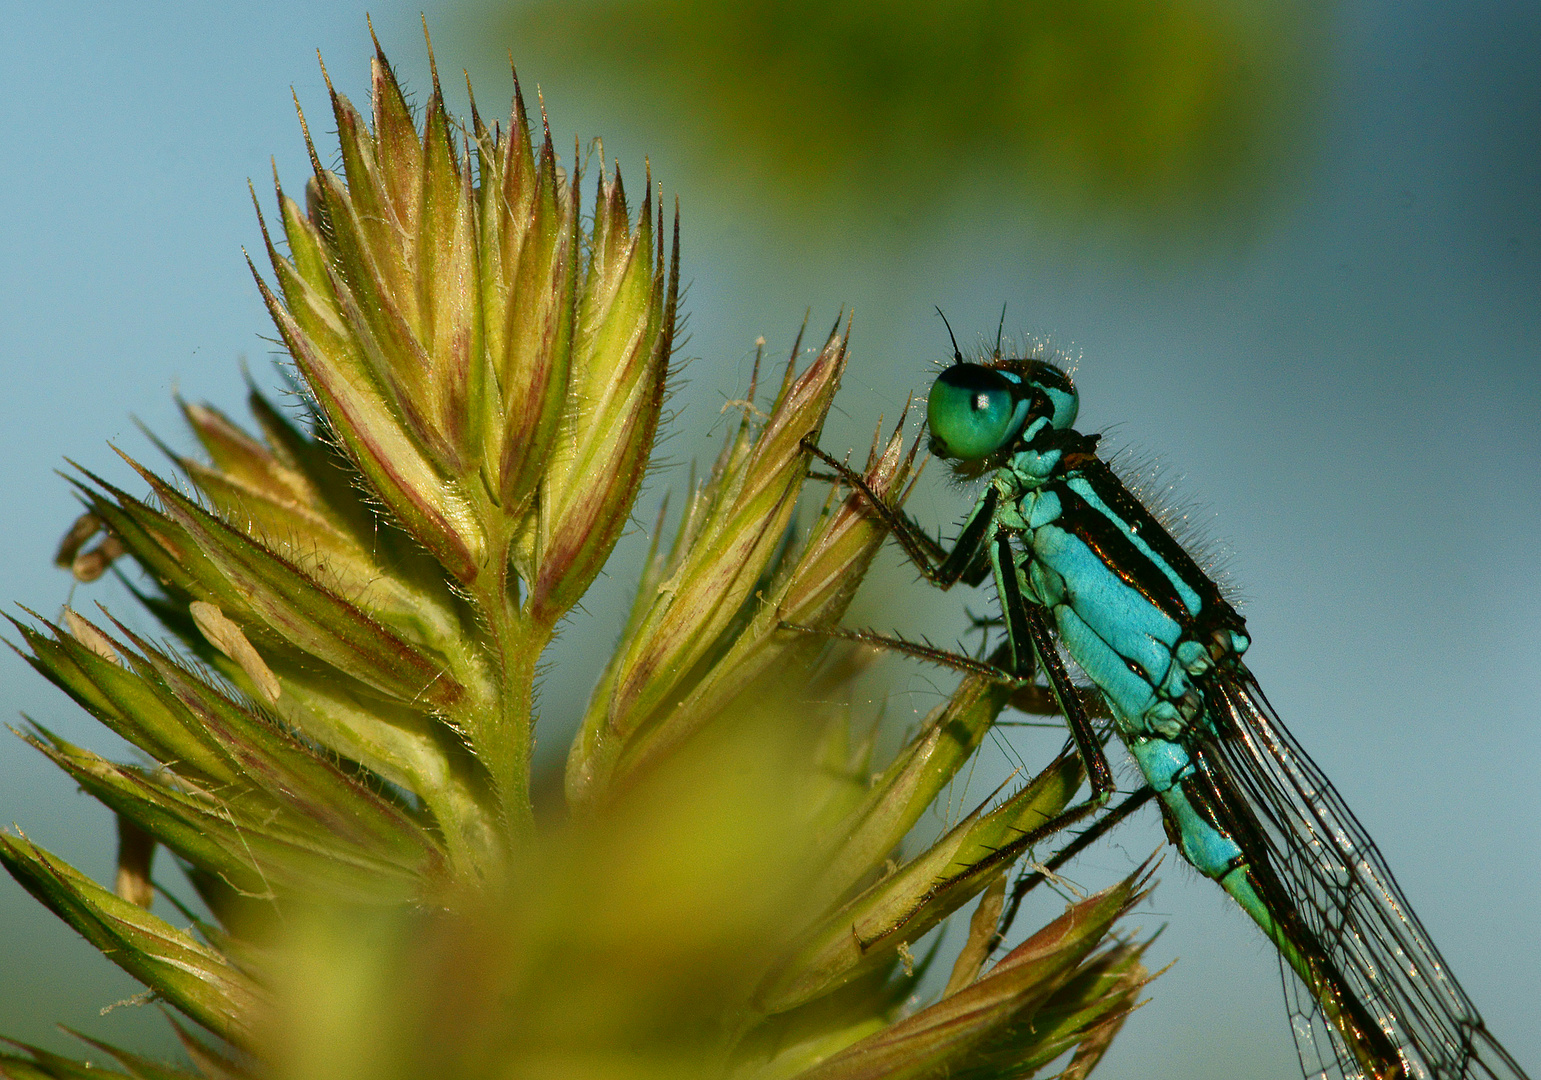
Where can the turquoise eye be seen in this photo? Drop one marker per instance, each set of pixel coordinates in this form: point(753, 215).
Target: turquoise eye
point(973, 412)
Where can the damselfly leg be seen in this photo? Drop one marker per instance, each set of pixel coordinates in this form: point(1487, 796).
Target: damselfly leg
point(982, 548)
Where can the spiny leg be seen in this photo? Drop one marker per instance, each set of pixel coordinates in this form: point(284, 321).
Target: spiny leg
point(1029, 643)
point(969, 665)
point(1027, 696)
point(1029, 640)
point(1019, 676)
point(1027, 633)
point(1029, 636)
point(1089, 836)
point(941, 567)
point(1008, 853)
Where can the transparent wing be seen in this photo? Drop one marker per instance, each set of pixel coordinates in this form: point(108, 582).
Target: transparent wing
point(1335, 878)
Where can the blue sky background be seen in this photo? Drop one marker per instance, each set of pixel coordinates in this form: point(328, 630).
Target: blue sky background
point(1352, 394)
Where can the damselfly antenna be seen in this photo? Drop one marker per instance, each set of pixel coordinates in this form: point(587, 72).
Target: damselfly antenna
point(998, 331)
point(957, 353)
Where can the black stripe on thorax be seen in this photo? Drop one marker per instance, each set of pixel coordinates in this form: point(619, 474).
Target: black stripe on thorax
point(1109, 539)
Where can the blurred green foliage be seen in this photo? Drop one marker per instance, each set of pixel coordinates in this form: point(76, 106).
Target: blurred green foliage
point(1161, 111)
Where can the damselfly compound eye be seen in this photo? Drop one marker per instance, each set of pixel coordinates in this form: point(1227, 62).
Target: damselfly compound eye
point(973, 412)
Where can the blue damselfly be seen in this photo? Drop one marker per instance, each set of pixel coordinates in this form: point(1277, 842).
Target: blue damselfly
point(1081, 565)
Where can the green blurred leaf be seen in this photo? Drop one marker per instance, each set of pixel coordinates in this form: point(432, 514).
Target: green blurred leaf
point(1153, 108)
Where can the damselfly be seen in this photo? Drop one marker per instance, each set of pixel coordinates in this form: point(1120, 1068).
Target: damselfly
point(1077, 560)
